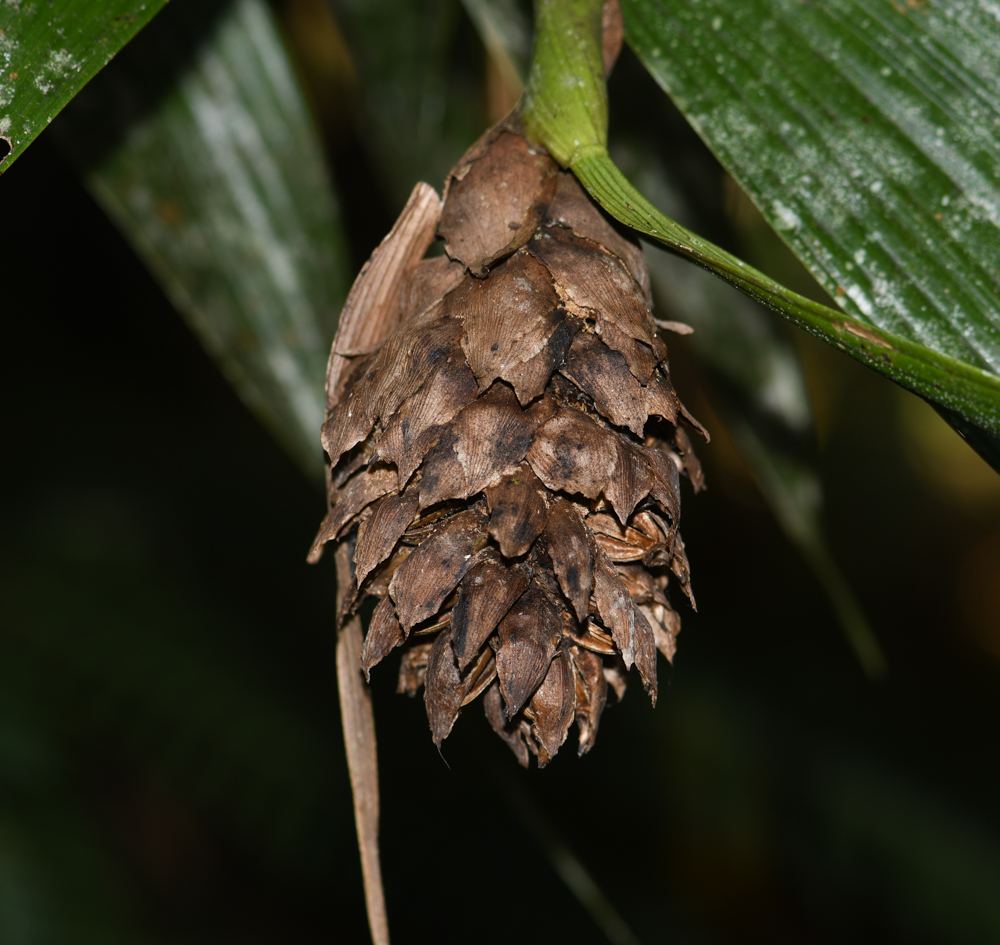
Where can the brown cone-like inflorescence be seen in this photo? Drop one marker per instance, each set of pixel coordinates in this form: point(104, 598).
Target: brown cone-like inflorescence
point(505, 453)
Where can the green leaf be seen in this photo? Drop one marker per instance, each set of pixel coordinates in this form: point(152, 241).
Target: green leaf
point(565, 112)
point(214, 173)
point(49, 51)
point(867, 134)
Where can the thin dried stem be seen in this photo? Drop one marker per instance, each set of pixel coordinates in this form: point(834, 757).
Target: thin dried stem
point(362, 754)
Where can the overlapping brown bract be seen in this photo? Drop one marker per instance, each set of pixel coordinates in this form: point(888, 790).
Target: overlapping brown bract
point(505, 463)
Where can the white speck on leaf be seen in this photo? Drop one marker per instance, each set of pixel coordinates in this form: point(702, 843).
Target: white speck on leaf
point(787, 218)
point(860, 298)
point(61, 63)
point(8, 46)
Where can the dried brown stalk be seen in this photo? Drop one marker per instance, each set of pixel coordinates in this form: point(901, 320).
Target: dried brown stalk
point(362, 758)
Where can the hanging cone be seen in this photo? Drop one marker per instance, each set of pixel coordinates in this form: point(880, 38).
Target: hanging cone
point(505, 453)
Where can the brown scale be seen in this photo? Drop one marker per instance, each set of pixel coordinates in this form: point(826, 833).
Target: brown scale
point(505, 453)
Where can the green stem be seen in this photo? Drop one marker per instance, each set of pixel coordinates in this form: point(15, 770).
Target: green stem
point(566, 101)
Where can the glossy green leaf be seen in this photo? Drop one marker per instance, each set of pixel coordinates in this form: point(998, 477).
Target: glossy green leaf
point(210, 165)
point(868, 134)
point(565, 111)
point(51, 50)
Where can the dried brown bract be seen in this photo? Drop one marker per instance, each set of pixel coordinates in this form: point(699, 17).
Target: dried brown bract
point(505, 453)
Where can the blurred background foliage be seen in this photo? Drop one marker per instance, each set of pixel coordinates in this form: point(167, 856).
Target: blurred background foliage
point(170, 759)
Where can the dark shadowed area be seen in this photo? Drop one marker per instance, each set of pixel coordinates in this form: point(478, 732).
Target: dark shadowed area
point(171, 765)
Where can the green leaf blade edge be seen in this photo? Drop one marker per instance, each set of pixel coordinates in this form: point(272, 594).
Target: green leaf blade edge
point(49, 51)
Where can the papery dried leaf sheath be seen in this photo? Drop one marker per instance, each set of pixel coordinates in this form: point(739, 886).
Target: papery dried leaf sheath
point(506, 456)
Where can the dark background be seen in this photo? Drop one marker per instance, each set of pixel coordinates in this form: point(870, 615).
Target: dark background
point(170, 759)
